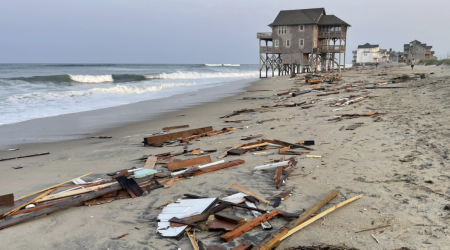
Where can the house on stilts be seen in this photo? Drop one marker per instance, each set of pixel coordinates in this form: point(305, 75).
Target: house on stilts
point(306, 40)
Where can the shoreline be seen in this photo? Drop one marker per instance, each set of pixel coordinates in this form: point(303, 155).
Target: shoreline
point(82, 125)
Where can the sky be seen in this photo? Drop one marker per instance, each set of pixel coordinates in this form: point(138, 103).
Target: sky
point(196, 31)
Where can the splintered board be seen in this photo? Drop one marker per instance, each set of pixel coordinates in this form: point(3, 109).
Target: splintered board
point(176, 135)
point(189, 162)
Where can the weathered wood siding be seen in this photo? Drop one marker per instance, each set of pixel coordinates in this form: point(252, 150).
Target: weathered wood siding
point(294, 53)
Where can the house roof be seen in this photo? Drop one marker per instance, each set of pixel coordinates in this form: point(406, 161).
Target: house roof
point(368, 46)
point(331, 20)
point(428, 47)
point(296, 17)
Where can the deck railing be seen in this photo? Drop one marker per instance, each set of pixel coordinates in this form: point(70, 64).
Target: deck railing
point(265, 49)
point(324, 34)
point(263, 35)
point(330, 49)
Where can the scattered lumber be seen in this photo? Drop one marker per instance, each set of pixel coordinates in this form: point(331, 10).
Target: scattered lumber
point(229, 218)
point(226, 152)
point(28, 202)
point(246, 191)
point(255, 146)
point(131, 186)
point(306, 223)
point(272, 165)
point(24, 156)
point(176, 135)
point(169, 183)
point(198, 171)
point(274, 239)
point(189, 162)
point(278, 173)
point(248, 226)
point(175, 127)
point(73, 192)
point(7, 200)
point(150, 163)
point(40, 191)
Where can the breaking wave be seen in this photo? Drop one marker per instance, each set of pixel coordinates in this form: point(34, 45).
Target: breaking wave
point(131, 77)
point(224, 64)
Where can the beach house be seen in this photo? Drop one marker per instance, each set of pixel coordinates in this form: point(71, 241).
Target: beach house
point(368, 54)
point(416, 50)
point(305, 40)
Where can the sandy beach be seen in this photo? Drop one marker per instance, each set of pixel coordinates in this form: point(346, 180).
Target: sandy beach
point(398, 162)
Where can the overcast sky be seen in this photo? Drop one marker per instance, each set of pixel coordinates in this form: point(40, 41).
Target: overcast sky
point(195, 31)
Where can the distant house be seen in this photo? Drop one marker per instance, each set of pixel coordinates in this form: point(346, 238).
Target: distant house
point(393, 56)
point(368, 53)
point(303, 41)
point(416, 50)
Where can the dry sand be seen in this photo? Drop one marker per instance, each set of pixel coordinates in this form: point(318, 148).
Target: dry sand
point(411, 195)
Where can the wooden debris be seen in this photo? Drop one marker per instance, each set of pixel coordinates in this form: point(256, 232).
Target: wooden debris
point(237, 151)
point(246, 191)
point(214, 247)
point(306, 223)
point(45, 193)
point(226, 152)
point(150, 163)
point(285, 149)
point(255, 146)
point(229, 218)
point(122, 236)
point(130, 185)
point(274, 239)
point(175, 127)
point(7, 200)
point(169, 183)
point(220, 224)
point(102, 137)
point(278, 173)
point(40, 191)
point(198, 171)
point(265, 225)
point(192, 239)
point(189, 162)
point(176, 135)
point(370, 229)
point(272, 165)
point(24, 156)
point(248, 226)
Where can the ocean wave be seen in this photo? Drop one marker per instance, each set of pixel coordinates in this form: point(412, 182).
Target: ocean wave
point(222, 64)
point(118, 78)
point(197, 75)
point(42, 97)
point(91, 78)
point(232, 65)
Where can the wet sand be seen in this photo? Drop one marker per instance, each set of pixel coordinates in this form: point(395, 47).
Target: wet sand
point(398, 161)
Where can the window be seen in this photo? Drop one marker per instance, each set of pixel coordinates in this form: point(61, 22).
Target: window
point(276, 43)
point(301, 42)
point(282, 30)
point(288, 43)
point(315, 42)
point(301, 27)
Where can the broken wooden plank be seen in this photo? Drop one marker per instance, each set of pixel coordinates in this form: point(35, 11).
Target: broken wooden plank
point(265, 225)
point(150, 163)
point(272, 165)
point(73, 192)
point(175, 127)
point(278, 174)
point(28, 202)
point(284, 149)
point(7, 200)
point(244, 246)
point(226, 152)
point(189, 162)
point(216, 167)
point(24, 156)
point(246, 191)
point(71, 202)
point(237, 151)
point(286, 144)
point(278, 185)
point(306, 223)
point(229, 218)
point(220, 224)
point(169, 183)
point(248, 226)
point(176, 135)
point(255, 146)
point(40, 191)
point(275, 238)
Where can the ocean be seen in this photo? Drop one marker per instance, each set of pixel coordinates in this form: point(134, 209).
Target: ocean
point(31, 91)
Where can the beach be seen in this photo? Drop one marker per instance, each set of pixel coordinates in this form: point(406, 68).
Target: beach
point(398, 161)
